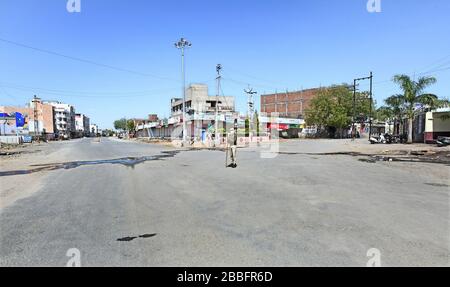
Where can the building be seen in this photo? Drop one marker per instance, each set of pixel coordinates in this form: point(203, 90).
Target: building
point(288, 104)
point(199, 102)
point(155, 128)
point(64, 115)
point(150, 127)
point(201, 111)
point(201, 116)
point(153, 118)
point(82, 125)
point(437, 124)
point(94, 130)
point(39, 119)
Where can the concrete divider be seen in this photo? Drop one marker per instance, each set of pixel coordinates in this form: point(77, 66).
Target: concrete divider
point(11, 139)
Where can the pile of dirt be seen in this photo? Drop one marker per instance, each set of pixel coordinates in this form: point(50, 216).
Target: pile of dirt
point(425, 156)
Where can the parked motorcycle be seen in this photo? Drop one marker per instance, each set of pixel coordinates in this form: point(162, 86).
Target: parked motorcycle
point(377, 140)
point(382, 139)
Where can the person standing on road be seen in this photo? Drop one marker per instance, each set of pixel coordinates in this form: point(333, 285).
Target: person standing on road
point(232, 143)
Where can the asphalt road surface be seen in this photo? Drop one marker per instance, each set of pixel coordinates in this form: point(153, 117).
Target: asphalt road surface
point(130, 204)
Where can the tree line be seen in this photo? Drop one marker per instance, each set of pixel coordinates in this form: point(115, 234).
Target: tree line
point(124, 125)
point(332, 109)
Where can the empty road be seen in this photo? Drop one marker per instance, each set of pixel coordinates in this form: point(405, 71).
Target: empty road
point(134, 204)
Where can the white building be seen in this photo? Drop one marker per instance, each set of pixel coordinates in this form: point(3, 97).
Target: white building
point(64, 119)
point(437, 124)
point(93, 129)
point(82, 125)
point(198, 101)
point(201, 110)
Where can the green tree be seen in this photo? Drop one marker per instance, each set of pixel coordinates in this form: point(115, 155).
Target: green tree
point(333, 108)
point(320, 111)
point(413, 94)
point(392, 110)
point(121, 124)
point(395, 104)
point(130, 126)
point(247, 127)
point(384, 114)
point(257, 123)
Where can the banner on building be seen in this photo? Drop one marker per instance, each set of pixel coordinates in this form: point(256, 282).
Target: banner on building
point(20, 120)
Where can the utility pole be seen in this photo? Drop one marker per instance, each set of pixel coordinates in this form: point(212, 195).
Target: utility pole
point(250, 110)
point(182, 44)
point(216, 122)
point(35, 118)
point(371, 101)
point(250, 103)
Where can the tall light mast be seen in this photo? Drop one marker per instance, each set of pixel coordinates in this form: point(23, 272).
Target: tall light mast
point(181, 45)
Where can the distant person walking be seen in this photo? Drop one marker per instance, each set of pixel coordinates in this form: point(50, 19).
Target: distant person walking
point(232, 144)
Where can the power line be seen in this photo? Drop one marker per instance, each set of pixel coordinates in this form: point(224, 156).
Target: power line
point(248, 83)
point(11, 85)
point(431, 72)
point(16, 100)
point(441, 67)
point(438, 69)
point(435, 62)
point(253, 77)
point(63, 94)
point(85, 61)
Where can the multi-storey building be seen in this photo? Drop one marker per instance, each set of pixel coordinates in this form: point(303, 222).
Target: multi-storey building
point(201, 110)
point(64, 119)
point(82, 124)
point(39, 118)
point(198, 101)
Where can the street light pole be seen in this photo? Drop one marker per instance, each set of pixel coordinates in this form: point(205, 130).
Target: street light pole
point(182, 44)
point(371, 102)
point(216, 122)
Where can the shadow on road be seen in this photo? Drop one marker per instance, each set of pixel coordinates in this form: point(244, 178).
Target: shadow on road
point(127, 161)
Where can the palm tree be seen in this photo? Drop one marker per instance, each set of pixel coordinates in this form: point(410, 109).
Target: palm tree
point(413, 93)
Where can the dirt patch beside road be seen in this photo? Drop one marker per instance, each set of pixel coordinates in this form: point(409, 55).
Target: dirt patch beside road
point(18, 157)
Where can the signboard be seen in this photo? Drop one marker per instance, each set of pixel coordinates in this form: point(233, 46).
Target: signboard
point(203, 117)
point(280, 127)
point(174, 120)
point(4, 116)
point(282, 121)
point(20, 120)
point(247, 140)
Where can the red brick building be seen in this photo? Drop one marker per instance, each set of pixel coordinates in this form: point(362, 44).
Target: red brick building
point(288, 104)
point(153, 118)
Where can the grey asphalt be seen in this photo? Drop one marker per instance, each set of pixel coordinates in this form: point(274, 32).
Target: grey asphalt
point(291, 210)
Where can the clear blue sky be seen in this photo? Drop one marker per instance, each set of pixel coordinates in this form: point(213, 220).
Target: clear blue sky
point(268, 44)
